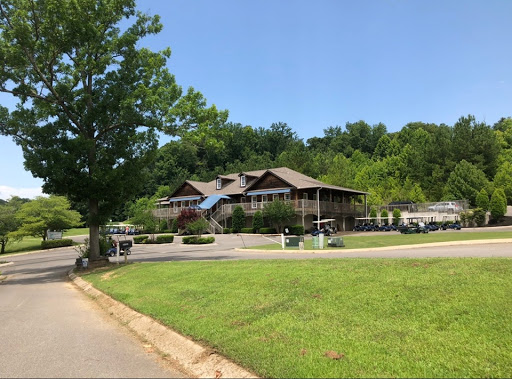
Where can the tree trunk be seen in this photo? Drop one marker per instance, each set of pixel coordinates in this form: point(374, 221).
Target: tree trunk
point(2, 249)
point(94, 230)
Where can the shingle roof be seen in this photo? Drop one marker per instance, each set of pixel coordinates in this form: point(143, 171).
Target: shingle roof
point(294, 178)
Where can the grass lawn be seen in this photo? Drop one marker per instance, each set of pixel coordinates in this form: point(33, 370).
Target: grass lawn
point(380, 318)
point(382, 239)
point(34, 243)
point(76, 232)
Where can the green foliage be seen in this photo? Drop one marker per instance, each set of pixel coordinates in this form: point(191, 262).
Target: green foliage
point(226, 231)
point(90, 98)
point(174, 226)
point(297, 230)
point(397, 214)
point(498, 204)
point(384, 216)
point(268, 231)
point(162, 225)
point(479, 216)
point(503, 179)
point(185, 217)
point(373, 215)
point(140, 239)
point(198, 226)
point(46, 213)
point(465, 182)
point(278, 212)
point(8, 221)
point(257, 221)
point(247, 230)
point(164, 238)
point(238, 219)
point(482, 200)
point(190, 240)
point(51, 244)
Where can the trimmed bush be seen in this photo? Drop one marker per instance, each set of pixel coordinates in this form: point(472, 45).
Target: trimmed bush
point(140, 239)
point(268, 231)
point(238, 219)
point(479, 216)
point(50, 244)
point(164, 238)
point(174, 226)
point(226, 231)
point(297, 230)
point(247, 230)
point(190, 240)
point(257, 221)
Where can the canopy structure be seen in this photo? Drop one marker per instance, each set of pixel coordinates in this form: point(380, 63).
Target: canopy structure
point(184, 198)
point(211, 200)
point(254, 193)
point(322, 221)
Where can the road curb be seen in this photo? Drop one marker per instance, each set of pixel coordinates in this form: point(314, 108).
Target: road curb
point(199, 361)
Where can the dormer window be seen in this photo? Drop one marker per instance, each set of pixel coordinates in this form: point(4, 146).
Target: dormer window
point(242, 181)
point(219, 183)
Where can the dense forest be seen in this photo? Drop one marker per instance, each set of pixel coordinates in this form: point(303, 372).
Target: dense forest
point(421, 162)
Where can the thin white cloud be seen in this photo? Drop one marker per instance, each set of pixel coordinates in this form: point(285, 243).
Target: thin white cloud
point(30, 193)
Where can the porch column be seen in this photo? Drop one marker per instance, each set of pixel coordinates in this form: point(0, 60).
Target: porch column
point(365, 207)
point(318, 205)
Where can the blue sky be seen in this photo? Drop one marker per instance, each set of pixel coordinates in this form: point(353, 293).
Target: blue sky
point(314, 64)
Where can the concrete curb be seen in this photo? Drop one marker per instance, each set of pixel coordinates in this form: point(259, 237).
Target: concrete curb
point(6, 264)
point(199, 361)
point(400, 247)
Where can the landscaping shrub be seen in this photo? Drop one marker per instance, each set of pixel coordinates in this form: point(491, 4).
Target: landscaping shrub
point(498, 204)
point(174, 226)
point(189, 240)
point(238, 219)
point(268, 231)
point(297, 230)
point(397, 214)
point(164, 238)
point(479, 216)
point(140, 239)
point(162, 225)
point(226, 231)
point(50, 244)
point(247, 230)
point(482, 200)
point(257, 221)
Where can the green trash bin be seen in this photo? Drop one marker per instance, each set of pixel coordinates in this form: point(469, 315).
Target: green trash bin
point(335, 242)
point(316, 242)
point(290, 241)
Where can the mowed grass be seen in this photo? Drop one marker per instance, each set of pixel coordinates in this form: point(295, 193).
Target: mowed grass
point(381, 317)
point(34, 243)
point(384, 239)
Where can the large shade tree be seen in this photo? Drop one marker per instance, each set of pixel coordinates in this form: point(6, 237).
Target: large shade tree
point(89, 98)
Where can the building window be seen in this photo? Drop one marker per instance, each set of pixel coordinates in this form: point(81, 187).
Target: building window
point(254, 202)
point(264, 199)
point(219, 183)
point(305, 196)
point(275, 197)
point(286, 197)
point(314, 196)
point(183, 204)
point(175, 206)
point(242, 181)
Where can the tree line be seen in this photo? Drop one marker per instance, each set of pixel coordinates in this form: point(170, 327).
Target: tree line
point(423, 162)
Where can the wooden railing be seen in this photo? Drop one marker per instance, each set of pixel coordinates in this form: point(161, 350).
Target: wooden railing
point(327, 209)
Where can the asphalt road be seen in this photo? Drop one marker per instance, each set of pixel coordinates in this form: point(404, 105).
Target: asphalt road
point(51, 329)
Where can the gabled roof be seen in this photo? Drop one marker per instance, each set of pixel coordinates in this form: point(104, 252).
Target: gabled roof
point(293, 178)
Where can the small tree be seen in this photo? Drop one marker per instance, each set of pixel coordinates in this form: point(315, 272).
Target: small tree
point(498, 204)
point(278, 212)
point(174, 226)
point(373, 216)
point(46, 213)
point(482, 199)
point(141, 213)
point(479, 216)
point(257, 221)
point(396, 216)
point(197, 227)
point(8, 222)
point(185, 217)
point(384, 216)
point(238, 219)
